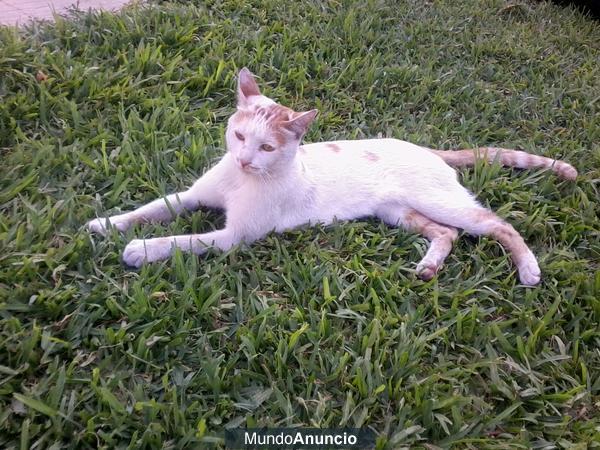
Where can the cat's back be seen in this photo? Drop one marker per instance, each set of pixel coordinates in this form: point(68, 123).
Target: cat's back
point(369, 156)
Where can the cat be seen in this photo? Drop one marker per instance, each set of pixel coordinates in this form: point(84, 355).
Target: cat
point(267, 181)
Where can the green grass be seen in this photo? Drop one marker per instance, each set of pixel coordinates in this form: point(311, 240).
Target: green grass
point(322, 327)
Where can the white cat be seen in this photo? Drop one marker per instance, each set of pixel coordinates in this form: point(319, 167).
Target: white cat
point(268, 181)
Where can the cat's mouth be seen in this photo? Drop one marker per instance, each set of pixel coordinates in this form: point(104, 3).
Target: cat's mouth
point(250, 169)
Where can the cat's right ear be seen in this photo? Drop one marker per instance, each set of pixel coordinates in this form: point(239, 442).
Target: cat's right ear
point(247, 87)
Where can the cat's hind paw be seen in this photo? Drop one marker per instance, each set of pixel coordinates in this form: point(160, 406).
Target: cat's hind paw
point(566, 171)
point(426, 271)
point(530, 273)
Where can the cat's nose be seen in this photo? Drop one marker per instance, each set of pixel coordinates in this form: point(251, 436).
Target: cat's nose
point(244, 162)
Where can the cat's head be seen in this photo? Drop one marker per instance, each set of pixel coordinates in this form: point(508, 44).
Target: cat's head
point(263, 136)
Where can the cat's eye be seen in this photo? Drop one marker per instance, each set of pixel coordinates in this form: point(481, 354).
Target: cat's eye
point(239, 135)
point(267, 148)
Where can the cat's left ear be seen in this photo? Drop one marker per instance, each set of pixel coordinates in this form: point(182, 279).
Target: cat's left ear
point(247, 87)
point(301, 121)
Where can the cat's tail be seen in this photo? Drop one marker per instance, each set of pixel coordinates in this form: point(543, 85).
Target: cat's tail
point(506, 157)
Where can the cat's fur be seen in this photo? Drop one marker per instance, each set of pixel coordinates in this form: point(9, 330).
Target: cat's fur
point(285, 185)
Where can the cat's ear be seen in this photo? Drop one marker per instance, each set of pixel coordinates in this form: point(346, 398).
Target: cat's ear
point(247, 87)
point(301, 121)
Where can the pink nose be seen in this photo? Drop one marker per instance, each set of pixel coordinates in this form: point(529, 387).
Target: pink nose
point(244, 163)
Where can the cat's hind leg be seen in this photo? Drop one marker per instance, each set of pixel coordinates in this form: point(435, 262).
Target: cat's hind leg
point(460, 210)
point(441, 237)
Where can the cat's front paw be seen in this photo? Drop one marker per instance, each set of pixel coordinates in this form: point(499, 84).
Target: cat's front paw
point(100, 225)
point(140, 251)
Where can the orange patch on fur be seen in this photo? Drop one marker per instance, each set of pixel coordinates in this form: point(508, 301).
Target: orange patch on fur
point(371, 156)
point(242, 114)
point(275, 114)
point(411, 219)
point(280, 138)
point(428, 228)
point(334, 148)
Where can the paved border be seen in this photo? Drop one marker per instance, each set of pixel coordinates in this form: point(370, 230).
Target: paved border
point(18, 12)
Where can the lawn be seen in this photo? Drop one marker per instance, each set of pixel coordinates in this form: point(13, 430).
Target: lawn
point(324, 327)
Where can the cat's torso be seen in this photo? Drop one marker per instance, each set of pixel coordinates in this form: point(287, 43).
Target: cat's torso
point(340, 180)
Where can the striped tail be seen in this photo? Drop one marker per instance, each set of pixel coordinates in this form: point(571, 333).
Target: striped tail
point(512, 158)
